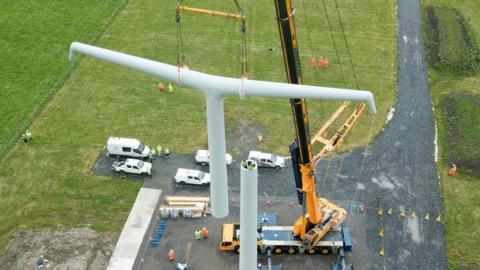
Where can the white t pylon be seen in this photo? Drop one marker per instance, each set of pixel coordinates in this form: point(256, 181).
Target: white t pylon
point(214, 89)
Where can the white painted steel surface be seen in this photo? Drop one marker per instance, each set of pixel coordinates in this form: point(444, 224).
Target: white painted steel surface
point(134, 230)
point(248, 215)
point(223, 86)
point(215, 88)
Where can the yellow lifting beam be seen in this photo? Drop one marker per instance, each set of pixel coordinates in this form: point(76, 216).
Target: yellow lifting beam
point(320, 136)
point(211, 12)
point(337, 139)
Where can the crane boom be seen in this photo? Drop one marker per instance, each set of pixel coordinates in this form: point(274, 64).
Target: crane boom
point(319, 215)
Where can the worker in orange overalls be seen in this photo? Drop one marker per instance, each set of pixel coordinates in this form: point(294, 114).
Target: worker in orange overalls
point(204, 232)
point(171, 255)
point(326, 63)
point(453, 170)
point(323, 62)
point(313, 63)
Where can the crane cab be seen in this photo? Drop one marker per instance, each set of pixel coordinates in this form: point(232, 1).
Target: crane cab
point(230, 237)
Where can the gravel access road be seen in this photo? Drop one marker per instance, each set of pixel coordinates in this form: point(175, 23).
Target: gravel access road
point(398, 170)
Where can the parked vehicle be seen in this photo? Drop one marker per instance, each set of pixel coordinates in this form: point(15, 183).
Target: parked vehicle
point(267, 160)
point(131, 165)
point(279, 239)
point(203, 157)
point(129, 147)
point(193, 177)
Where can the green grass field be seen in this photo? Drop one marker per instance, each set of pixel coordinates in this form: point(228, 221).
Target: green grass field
point(34, 38)
point(49, 182)
point(448, 26)
point(456, 94)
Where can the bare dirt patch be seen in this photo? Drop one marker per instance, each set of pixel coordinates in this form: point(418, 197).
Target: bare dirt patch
point(242, 135)
point(75, 249)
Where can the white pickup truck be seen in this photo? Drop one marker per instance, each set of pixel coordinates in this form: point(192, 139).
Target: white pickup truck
point(193, 177)
point(203, 157)
point(267, 160)
point(131, 165)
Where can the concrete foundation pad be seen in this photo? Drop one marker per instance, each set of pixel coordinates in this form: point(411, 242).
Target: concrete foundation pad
point(135, 228)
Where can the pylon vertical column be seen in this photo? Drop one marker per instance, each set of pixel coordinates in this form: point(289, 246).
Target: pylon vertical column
point(216, 146)
point(248, 215)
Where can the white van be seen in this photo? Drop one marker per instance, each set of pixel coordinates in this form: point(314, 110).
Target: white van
point(203, 157)
point(267, 160)
point(193, 177)
point(130, 147)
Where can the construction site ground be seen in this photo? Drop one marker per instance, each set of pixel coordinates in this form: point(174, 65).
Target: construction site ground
point(276, 194)
point(64, 248)
point(396, 171)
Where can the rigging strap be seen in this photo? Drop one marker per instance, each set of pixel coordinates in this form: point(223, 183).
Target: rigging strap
point(180, 55)
point(244, 62)
point(181, 58)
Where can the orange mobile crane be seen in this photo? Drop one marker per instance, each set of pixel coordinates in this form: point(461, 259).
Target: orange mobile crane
point(319, 228)
point(319, 215)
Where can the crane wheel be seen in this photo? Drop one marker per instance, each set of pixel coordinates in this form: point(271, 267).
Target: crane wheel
point(237, 249)
point(311, 251)
point(325, 250)
point(292, 250)
point(277, 250)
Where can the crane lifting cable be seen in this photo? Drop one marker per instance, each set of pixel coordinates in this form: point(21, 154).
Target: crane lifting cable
point(336, 140)
point(181, 58)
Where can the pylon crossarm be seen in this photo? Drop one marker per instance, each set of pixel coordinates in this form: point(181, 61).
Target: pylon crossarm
point(214, 89)
point(337, 139)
